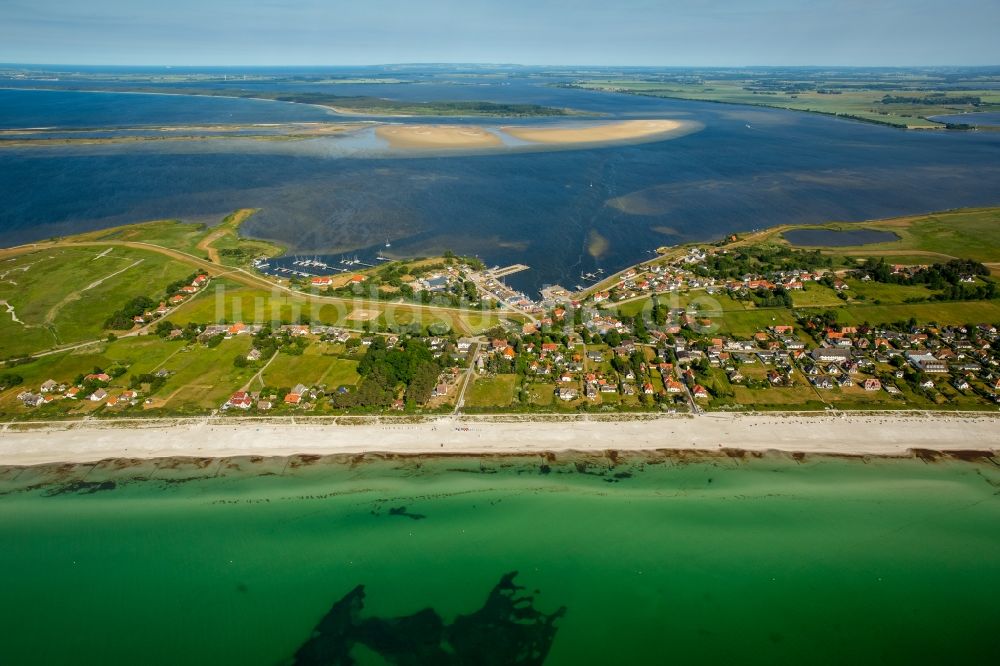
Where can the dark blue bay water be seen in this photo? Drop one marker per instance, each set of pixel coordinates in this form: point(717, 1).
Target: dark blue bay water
point(71, 109)
point(979, 119)
point(838, 238)
point(747, 168)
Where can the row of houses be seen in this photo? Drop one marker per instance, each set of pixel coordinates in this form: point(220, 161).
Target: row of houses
point(188, 290)
point(46, 394)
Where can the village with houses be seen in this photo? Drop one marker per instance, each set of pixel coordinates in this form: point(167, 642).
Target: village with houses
point(745, 323)
point(576, 352)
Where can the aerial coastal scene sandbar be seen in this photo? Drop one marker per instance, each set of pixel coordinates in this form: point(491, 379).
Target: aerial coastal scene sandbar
point(561, 134)
point(624, 130)
point(438, 136)
point(513, 334)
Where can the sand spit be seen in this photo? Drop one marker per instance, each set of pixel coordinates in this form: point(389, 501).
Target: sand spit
point(845, 434)
point(625, 130)
point(437, 136)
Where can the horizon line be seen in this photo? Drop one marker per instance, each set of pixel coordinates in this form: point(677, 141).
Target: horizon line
point(497, 64)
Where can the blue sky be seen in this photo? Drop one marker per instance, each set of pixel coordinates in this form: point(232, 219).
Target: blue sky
point(546, 32)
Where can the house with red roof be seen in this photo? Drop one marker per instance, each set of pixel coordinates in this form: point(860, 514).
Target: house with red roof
point(239, 400)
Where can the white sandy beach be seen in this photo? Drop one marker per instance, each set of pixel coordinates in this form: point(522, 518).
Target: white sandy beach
point(437, 136)
point(624, 130)
point(843, 434)
point(443, 136)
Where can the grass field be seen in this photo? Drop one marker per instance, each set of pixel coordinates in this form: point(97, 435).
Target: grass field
point(699, 300)
point(541, 394)
point(968, 233)
point(204, 378)
point(496, 391)
point(886, 293)
point(744, 324)
point(959, 312)
point(815, 295)
point(847, 97)
point(202, 241)
point(64, 295)
point(139, 355)
point(174, 234)
point(313, 368)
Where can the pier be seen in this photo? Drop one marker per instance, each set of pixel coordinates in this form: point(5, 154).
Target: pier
point(497, 273)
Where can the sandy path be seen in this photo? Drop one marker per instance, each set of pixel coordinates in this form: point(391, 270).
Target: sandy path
point(848, 434)
point(228, 226)
point(11, 312)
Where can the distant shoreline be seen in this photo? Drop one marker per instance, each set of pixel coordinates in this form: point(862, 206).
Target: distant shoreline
point(842, 434)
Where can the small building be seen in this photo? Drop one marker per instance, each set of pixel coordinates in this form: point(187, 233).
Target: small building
point(568, 394)
point(831, 355)
point(239, 400)
point(926, 363)
point(823, 382)
point(29, 399)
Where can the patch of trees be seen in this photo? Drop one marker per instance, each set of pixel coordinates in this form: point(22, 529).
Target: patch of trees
point(947, 278)
point(175, 286)
point(635, 362)
point(189, 332)
point(755, 259)
point(410, 364)
point(239, 254)
point(933, 100)
point(9, 380)
point(123, 318)
point(764, 298)
point(155, 382)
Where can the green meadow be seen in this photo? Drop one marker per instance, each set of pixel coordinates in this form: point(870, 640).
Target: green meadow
point(64, 295)
point(864, 100)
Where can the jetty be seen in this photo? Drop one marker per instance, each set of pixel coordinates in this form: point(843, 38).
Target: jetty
point(496, 273)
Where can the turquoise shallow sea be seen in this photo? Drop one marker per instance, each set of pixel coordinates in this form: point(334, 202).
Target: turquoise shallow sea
point(637, 560)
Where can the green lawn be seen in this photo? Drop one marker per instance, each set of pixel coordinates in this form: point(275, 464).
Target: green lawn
point(204, 378)
point(64, 295)
point(886, 293)
point(959, 312)
point(700, 300)
point(745, 324)
point(541, 394)
point(173, 234)
point(497, 391)
point(312, 368)
point(815, 295)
